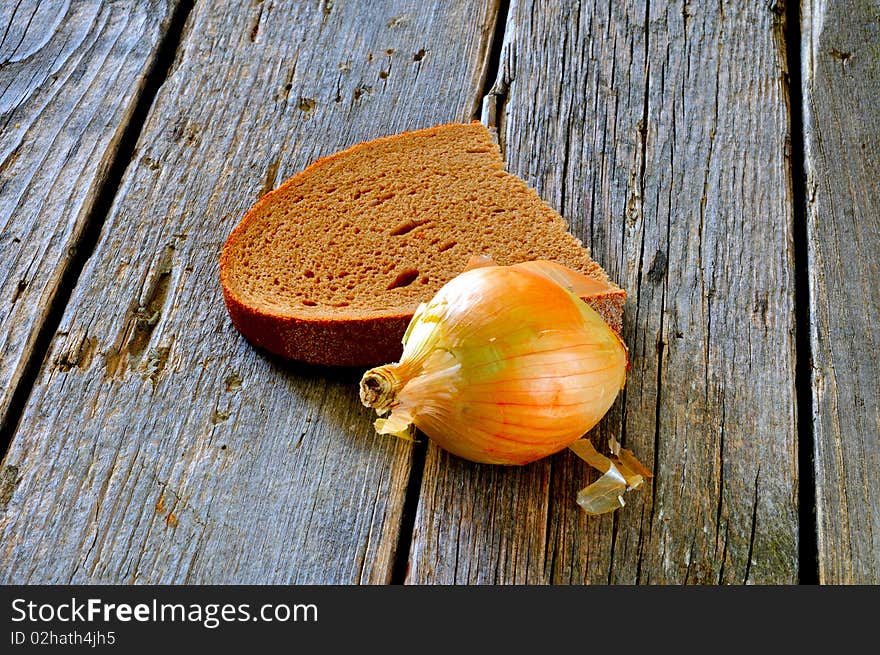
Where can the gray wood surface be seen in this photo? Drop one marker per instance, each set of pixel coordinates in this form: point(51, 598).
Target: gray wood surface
point(660, 131)
point(70, 75)
point(841, 87)
point(157, 445)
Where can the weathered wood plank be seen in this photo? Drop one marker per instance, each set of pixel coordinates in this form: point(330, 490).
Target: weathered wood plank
point(157, 445)
point(70, 76)
point(660, 130)
point(841, 86)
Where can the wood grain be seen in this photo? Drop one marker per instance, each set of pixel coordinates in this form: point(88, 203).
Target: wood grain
point(70, 76)
point(660, 130)
point(157, 445)
point(841, 83)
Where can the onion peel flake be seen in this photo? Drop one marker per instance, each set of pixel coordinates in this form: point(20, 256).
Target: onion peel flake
point(621, 472)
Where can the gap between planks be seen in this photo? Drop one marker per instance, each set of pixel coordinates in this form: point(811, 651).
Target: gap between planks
point(808, 548)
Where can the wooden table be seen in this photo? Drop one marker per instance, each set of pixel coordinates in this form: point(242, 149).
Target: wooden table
point(720, 159)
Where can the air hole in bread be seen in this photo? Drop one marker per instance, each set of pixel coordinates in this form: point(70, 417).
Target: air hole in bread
point(309, 274)
point(407, 227)
point(381, 199)
point(446, 246)
point(404, 278)
point(310, 303)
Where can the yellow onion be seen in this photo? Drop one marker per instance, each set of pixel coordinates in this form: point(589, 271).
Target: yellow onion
point(505, 365)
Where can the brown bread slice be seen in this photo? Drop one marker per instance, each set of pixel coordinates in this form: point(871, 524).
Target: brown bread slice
point(329, 268)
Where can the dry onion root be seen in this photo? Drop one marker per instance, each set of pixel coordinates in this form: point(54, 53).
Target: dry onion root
point(506, 365)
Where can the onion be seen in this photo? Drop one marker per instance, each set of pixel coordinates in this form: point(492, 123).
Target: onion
point(506, 365)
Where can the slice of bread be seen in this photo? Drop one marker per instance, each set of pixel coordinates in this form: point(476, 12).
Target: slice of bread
point(329, 267)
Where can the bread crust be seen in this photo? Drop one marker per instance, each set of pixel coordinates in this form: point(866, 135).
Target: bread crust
point(368, 341)
point(325, 342)
point(335, 340)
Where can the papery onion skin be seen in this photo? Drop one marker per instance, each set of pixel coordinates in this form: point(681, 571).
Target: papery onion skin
point(502, 366)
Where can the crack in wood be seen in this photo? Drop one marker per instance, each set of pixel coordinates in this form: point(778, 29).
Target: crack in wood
point(255, 23)
point(79, 354)
point(753, 530)
point(9, 480)
point(149, 310)
point(720, 487)
point(271, 179)
point(19, 290)
point(496, 74)
point(143, 318)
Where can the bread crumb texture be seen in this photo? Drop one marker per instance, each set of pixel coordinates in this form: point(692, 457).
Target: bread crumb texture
point(345, 250)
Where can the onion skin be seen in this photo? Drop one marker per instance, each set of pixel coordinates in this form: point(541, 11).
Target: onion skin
point(503, 366)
